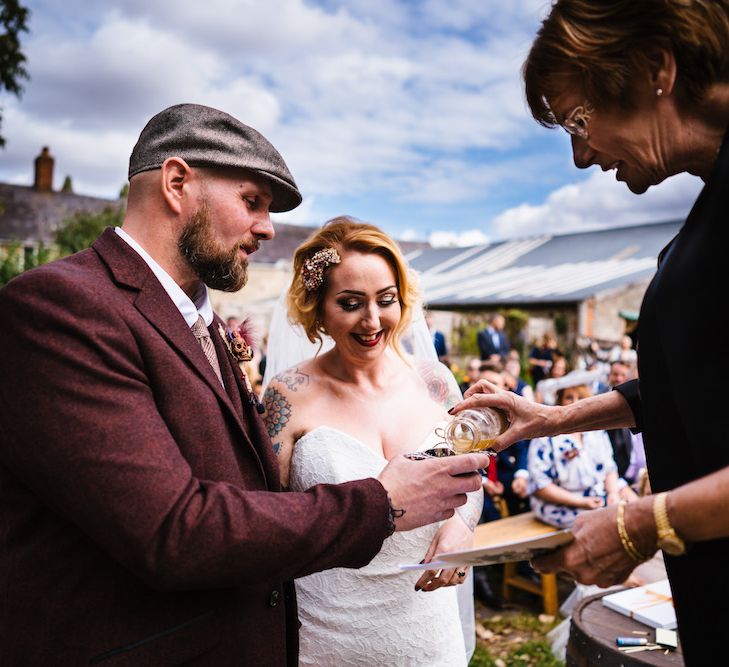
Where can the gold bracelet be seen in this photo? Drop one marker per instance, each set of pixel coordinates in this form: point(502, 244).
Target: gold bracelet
point(628, 545)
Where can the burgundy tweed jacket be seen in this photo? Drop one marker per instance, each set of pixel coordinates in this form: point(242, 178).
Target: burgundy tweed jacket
point(141, 518)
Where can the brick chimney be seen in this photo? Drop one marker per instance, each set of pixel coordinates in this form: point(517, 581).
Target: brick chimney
point(44, 171)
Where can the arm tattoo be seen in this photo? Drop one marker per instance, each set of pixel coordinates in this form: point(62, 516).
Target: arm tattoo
point(293, 379)
point(278, 413)
point(438, 389)
point(437, 385)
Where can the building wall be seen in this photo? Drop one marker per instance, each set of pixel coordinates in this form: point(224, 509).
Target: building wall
point(266, 282)
point(606, 322)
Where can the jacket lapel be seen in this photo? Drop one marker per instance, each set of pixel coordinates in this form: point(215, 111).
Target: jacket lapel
point(253, 423)
point(153, 302)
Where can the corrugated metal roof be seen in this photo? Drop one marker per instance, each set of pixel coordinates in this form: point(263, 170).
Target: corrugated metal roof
point(566, 268)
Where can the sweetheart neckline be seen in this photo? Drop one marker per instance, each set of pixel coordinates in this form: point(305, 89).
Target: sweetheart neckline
point(346, 435)
point(361, 444)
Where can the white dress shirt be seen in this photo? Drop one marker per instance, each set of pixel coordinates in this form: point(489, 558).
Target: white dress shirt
point(190, 309)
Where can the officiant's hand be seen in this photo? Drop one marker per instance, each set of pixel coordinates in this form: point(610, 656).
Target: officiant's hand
point(527, 419)
point(453, 535)
point(429, 490)
point(597, 556)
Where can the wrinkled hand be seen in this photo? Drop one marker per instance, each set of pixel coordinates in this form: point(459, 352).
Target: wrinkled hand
point(429, 490)
point(527, 419)
point(519, 487)
point(453, 535)
point(596, 556)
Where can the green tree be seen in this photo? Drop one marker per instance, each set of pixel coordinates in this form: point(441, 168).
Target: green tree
point(14, 259)
point(13, 21)
point(80, 230)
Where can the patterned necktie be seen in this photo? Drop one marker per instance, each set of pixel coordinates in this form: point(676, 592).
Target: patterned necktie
point(203, 337)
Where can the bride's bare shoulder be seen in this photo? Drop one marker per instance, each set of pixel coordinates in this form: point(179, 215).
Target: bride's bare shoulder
point(297, 378)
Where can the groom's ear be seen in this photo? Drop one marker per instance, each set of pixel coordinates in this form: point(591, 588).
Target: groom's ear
point(176, 184)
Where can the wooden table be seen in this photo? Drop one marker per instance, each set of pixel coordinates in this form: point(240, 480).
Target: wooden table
point(592, 638)
point(517, 527)
point(520, 526)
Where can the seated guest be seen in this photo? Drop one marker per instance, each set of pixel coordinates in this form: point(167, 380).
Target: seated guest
point(512, 462)
point(493, 492)
point(573, 473)
point(621, 439)
point(492, 486)
point(540, 358)
point(513, 380)
point(558, 369)
point(472, 375)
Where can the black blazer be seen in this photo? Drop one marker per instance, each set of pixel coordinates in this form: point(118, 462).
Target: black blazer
point(486, 344)
point(680, 401)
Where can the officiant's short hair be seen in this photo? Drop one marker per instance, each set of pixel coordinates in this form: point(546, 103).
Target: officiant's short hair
point(346, 234)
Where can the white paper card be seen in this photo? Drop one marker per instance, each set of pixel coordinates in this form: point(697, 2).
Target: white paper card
point(506, 552)
point(651, 604)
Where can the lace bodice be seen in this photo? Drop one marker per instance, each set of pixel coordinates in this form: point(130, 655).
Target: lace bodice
point(372, 616)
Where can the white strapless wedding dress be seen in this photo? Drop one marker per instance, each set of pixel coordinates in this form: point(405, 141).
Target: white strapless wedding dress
point(371, 617)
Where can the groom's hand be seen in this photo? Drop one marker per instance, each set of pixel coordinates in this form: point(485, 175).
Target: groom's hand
point(423, 492)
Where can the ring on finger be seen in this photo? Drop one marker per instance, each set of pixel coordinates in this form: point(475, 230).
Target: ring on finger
point(461, 574)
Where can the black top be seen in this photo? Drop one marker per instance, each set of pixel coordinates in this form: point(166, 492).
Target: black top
point(681, 402)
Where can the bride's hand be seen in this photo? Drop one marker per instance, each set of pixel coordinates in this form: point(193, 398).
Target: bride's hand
point(453, 535)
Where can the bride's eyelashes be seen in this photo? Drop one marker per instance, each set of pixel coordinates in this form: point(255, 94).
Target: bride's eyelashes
point(349, 305)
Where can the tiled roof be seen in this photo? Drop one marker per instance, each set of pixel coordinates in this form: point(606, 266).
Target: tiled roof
point(27, 215)
point(541, 269)
point(290, 237)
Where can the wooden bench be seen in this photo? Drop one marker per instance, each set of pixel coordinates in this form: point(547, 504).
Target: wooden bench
point(512, 528)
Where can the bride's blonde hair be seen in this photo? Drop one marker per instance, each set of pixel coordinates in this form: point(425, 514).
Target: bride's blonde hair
point(345, 234)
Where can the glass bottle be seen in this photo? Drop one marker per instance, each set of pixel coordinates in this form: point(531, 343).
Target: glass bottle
point(475, 429)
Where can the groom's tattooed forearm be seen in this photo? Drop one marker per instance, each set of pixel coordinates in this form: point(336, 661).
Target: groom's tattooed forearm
point(278, 413)
point(293, 379)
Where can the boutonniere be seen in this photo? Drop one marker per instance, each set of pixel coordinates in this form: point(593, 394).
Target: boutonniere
point(238, 341)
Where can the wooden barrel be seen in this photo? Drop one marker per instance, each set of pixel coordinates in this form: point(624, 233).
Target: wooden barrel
point(592, 638)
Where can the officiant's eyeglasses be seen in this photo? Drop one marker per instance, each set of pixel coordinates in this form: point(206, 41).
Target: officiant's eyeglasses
point(575, 123)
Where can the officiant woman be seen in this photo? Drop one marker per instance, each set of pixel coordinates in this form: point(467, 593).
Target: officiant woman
point(642, 88)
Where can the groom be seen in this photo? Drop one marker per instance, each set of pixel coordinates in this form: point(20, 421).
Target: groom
point(142, 519)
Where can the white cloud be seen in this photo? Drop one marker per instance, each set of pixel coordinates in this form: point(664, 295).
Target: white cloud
point(356, 95)
point(468, 237)
point(304, 214)
point(599, 201)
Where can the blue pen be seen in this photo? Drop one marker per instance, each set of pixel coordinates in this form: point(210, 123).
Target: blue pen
point(631, 641)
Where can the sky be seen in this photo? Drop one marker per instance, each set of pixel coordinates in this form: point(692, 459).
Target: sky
point(407, 114)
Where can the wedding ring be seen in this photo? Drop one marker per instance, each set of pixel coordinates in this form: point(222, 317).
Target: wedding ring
point(461, 573)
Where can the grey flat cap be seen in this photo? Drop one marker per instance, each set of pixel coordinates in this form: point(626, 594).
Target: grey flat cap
point(205, 137)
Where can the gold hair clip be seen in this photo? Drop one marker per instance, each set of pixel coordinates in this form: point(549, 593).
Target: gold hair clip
point(312, 272)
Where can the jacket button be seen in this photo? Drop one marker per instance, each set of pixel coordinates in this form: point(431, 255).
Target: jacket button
point(273, 600)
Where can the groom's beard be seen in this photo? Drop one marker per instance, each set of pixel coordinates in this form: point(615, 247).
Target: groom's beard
point(217, 266)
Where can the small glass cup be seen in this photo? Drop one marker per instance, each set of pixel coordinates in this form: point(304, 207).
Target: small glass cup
point(475, 429)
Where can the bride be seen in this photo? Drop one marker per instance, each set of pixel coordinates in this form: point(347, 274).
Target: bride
point(342, 415)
